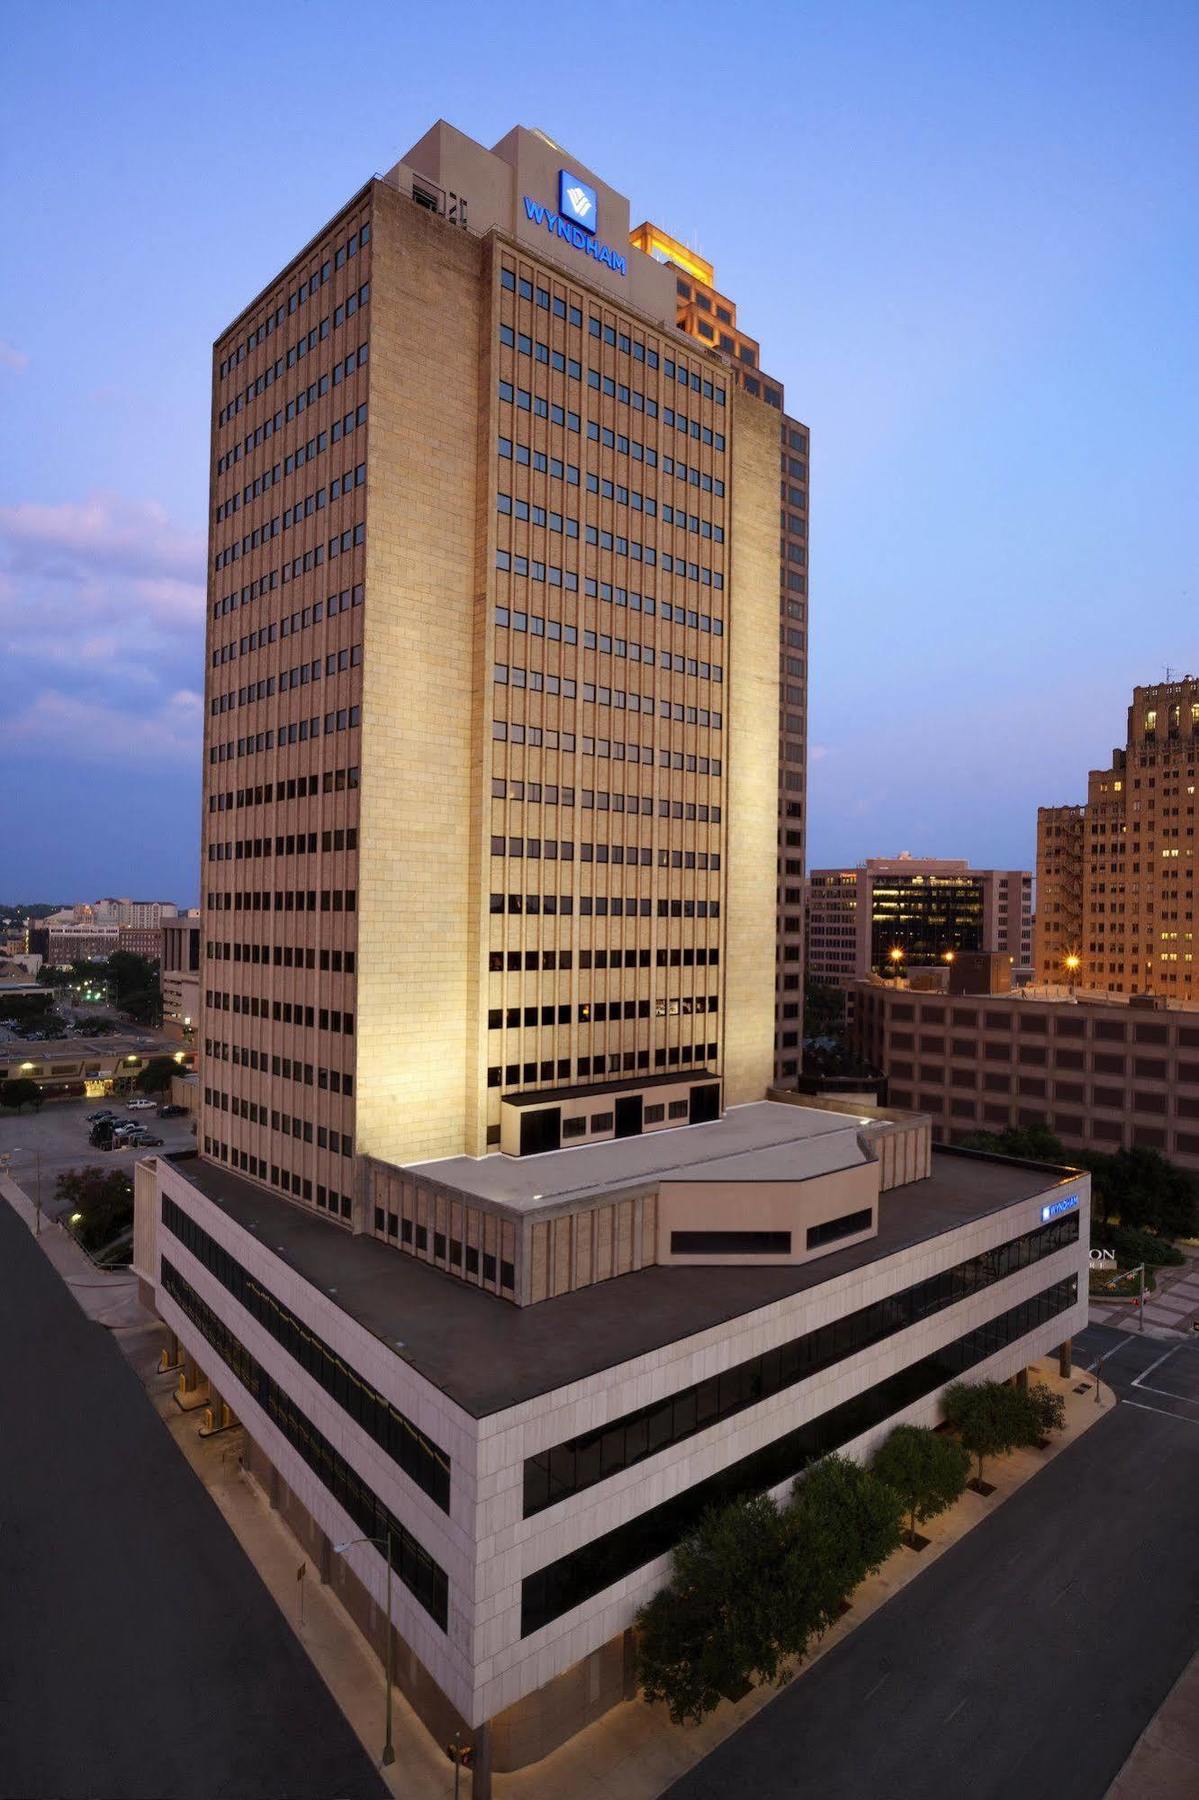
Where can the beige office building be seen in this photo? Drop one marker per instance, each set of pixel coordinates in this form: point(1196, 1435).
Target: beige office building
point(1119, 871)
point(894, 913)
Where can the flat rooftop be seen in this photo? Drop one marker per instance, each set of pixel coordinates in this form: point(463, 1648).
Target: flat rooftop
point(765, 1141)
point(487, 1354)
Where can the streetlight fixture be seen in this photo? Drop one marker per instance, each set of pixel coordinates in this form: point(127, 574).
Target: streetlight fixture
point(1072, 964)
point(384, 1544)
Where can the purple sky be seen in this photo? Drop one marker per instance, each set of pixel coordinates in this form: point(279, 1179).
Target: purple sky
point(966, 236)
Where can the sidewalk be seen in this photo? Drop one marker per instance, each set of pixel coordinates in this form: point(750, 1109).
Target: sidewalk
point(1170, 1311)
point(1164, 1764)
point(633, 1752)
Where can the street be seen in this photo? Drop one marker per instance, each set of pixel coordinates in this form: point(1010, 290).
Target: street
point(1030, 1657)
point(140, 1654)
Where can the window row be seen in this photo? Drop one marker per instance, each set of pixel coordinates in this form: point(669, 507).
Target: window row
point(600, 1012)
point(275, 372)
point(540, 352)
point(598, 693)
point(583, 1573)
point(281, 956)
point(294, 460)
point(296, 787)
point(281, 1012)
point(511, 451)
point(542, 408)
point(587, 1068)
point(604, 906)
point(628, 855)
point(339, 1142)
point(286, 1180)
point(334, 663)
point(286, 900)
point(608, 334)
point(283, 1068)
point(539, 626)
point(292, 515)
point(515, 961)
point(291, 843)
point(580, 1462)
point(606, 644)
point(346, 718)
point(411, 1563)
point(550, 794)
point(289, 625)
point(299, 565)
point(507, 731)
point(344, 253)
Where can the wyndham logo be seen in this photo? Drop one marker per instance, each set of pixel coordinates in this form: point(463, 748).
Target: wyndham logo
point(576, 201)
point(1056, 1208)
point(561, 224)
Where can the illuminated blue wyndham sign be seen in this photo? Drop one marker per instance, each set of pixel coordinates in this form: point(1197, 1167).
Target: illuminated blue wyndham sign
point(1057, 1207)
point(576, 221)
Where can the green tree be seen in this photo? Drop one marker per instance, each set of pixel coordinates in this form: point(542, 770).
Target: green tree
point(98, 1204)
point(926, 1470)
point(728, 1616)
point(155, 1078)
point(843, 1522)
point(1049, 1408)
point(1151, 1194)
point(992, 1418)
point(823, 1010)
point(53, 978)
point(20, 1093)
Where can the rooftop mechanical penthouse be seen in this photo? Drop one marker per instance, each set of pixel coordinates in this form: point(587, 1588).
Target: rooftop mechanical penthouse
point(493, 1242)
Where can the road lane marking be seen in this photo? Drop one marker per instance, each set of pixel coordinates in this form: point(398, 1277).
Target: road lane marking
point(953, 1715)
point(878, 1684)
point(1162, 1412)
point(1165, 1357)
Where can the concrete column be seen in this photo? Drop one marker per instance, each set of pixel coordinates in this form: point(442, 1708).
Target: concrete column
point(172, 1356)
point(480, 1772)
point(1065, 1362)
point(192, 1390)
point(1022, 1380)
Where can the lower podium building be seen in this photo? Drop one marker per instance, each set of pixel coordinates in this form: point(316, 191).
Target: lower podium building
point(532, 1374)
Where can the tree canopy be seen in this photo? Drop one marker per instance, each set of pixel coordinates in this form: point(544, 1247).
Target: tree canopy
point(928, 1471)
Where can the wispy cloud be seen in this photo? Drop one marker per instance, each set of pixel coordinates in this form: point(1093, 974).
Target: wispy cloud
point(11, 357)
point(101, 628)
point(65, 726)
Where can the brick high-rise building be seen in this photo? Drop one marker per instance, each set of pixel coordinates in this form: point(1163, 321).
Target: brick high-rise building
point(1116, 876)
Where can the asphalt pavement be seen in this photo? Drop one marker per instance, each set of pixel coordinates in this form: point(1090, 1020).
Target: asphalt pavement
point(140, 1654)
point(1028, 1659)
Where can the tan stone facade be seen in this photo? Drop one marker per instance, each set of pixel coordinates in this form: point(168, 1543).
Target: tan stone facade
point(492, 681)
point(1123, 864)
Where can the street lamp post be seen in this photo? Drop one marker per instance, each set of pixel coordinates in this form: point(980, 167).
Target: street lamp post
point(384, 1544)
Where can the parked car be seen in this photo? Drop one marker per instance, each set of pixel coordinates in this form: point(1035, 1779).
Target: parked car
point(172, 1112)
point(144, 1140)
point(105, 1112)
point(141, 1105)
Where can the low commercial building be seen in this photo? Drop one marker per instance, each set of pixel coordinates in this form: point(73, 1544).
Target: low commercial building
point(534, 1373)
point(1103, 1072)
point(69, 1068)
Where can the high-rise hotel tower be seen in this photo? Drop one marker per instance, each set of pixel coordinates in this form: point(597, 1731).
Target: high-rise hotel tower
point(492, 1242)
point(493, 682)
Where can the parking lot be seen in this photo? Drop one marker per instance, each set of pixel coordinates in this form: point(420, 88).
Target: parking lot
point(56, 1138)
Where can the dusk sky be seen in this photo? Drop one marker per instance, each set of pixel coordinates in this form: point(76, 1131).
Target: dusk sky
point(967, 237)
